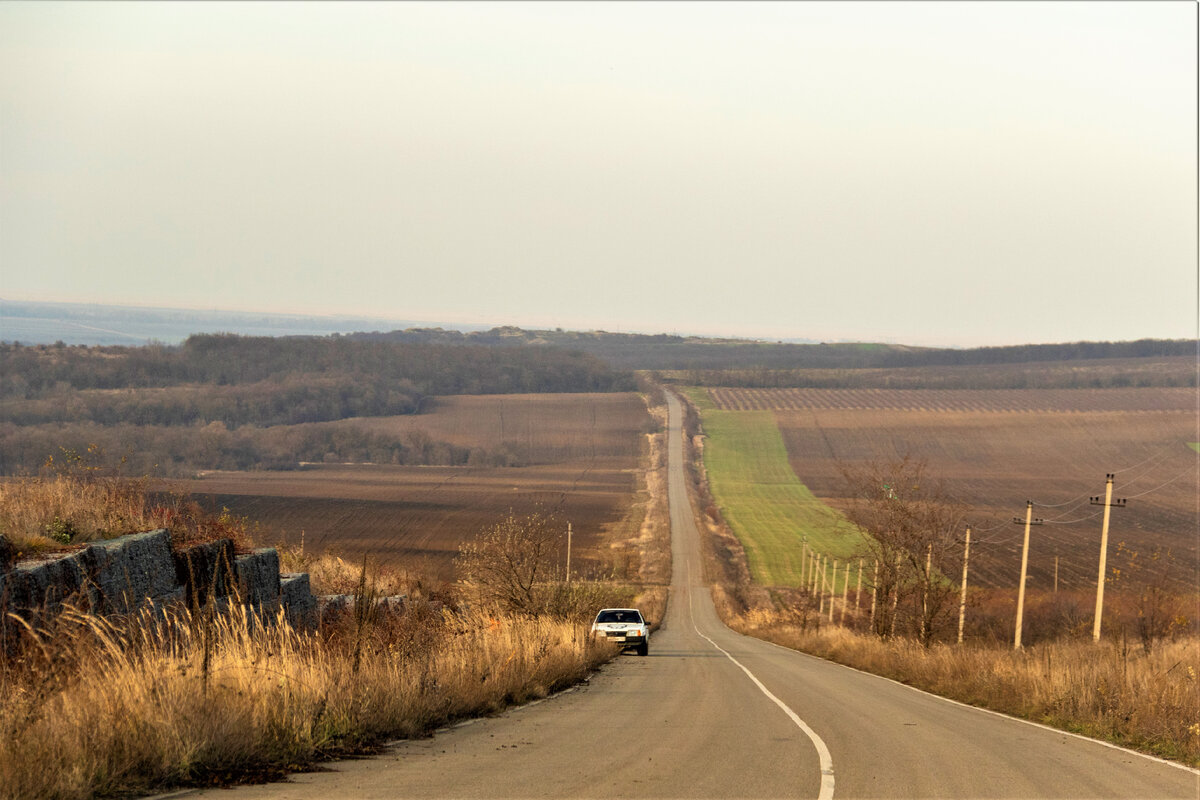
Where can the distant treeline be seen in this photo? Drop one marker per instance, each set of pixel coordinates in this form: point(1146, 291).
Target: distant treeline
point(269, 381)
point(174, 450)
point(671, 352)
point(233, 402)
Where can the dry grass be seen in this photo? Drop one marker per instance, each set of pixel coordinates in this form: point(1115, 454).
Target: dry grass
point(1109, 690)
point(52, 513)
point(109, 708)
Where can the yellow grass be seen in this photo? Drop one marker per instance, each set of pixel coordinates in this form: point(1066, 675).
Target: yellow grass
point(1109, 690)
point(42, 514)
point(105, 709)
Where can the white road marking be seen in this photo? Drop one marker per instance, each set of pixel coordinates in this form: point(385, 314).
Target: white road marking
point(993, 712)
point(823, 754)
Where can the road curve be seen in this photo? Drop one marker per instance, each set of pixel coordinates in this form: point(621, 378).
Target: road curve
point(711, 713)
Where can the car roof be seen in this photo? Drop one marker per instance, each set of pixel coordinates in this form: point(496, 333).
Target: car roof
point(618, 609)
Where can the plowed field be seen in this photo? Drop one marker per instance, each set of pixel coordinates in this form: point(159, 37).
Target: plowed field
point(997, 449)
point(589, 447)
point(935, 400)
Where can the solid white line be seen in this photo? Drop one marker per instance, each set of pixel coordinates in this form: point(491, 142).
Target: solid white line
point(993, 712)
point(823, 754)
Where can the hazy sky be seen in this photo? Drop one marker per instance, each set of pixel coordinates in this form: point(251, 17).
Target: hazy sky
point(933, 173)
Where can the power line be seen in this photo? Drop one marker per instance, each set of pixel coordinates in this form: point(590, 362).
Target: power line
point(1073, 521)
point(1059, 505)
point(1074, 507)
point(1160, 452)
point(1167, 483)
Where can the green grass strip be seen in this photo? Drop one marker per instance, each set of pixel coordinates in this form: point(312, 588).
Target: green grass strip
point(766, 505)
point(1195, 446)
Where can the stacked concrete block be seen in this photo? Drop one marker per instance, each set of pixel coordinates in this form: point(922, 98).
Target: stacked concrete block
point(206, 571)
point(299, 604)
point(258, 577)
point(108, 577)
point(8, 554)
point(123, 574)
point(128, 570)
point(330, 606)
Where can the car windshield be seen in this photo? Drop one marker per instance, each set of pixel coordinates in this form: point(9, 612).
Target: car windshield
point(622, 615)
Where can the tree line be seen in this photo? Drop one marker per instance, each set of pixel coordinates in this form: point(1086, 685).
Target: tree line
point(177, 450)
point(673, 352)
point(234, 402)
point(226, 359)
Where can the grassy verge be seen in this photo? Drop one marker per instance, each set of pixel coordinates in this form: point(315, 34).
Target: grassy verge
point(1109, 691)
point(112, 708)
point(128, 705)
point(761, 498)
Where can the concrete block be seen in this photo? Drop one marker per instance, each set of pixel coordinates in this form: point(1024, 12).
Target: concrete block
point(331, 606)
point(299, 604)
point(394, 605)
point(258, 576)
point(127, 570)
point(114, 576)
point(44, 583)
point(8, 554)
point(205, 570)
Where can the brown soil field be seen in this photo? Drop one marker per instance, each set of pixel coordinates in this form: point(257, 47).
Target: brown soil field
point(997, 449)
point(1095, 373)
point(938, 400)
point(549, 428)
point(589, 448)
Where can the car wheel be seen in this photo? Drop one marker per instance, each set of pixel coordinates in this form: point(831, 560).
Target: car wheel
point(643, 649)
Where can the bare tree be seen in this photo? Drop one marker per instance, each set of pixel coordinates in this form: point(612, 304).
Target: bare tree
point(508, 560)
point(1145, 581)
point(913, 526)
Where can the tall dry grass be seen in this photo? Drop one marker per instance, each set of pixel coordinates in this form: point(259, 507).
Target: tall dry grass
point(41, 514)
point(1110, 690)
point(100, 707)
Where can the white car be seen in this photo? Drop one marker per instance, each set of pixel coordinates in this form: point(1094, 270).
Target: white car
point(623, 626)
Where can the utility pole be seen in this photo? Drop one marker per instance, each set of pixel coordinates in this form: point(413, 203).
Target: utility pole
point(895, 597)
point(832, 590)
point(858, 588)
point(962, 600)
point(568, 552)
point(803, 557)
point(874, 592)
point(1056, 574)
point(926, 627)
point(1029, 520)
point(845, 595)
point(1108, 504)
point(821, 608)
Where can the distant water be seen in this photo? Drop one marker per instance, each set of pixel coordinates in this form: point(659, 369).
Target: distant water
point(78, 323)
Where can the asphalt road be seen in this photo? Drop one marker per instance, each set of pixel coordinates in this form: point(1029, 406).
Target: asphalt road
point(710, 713)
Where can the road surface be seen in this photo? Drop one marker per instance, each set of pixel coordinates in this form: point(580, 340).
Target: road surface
point(710, 713)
